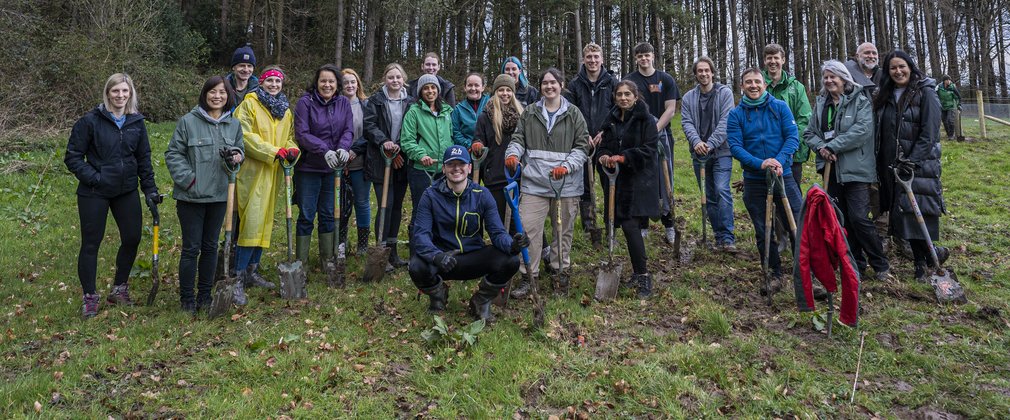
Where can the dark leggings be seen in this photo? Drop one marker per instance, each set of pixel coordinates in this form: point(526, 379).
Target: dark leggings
point(488, 261)
point(93, 212)
point(920, 252)
point(636, 245)
point(394, 209)
point(201, 226)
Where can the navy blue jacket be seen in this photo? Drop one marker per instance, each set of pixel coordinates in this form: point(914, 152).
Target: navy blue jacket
point(756, 133)
point(446, 221)
point(108, 160)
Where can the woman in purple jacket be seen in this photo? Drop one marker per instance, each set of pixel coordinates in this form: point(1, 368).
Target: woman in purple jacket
point(324, 129)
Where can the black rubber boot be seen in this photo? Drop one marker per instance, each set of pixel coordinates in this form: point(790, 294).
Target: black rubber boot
point(394, 257)
point(644, 283)
point(480, 302)
point(437, 296)
point(363, 235)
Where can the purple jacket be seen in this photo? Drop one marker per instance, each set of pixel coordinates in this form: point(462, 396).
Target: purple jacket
point(321, 127)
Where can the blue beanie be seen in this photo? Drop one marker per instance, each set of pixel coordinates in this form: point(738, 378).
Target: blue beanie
point(243, 54)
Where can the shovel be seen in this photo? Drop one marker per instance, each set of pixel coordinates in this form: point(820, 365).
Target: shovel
point(477, 158)
point(292, 272)
point(377, 256)
point(335, 267)
point(512, 194)
point(560, 273)
point(223, 297)
point(769, 227)
point(957, 128)
point(668, 179)
point(155, 278)
point(702, 162)
point(831, 297)
point(511, 178)
point(945, 285)
point(609, 276)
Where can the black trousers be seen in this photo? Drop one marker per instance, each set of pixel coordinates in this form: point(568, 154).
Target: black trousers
point(854, 200)
point(498, 266)
point(394, 206)
point(93, 212)
point(636, 245)
point(201, 226)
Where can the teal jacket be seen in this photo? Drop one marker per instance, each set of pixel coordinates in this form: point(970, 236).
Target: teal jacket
point(853, 141)
point(464, 120)
point(425, 134)
point(193, 158)
point(794, 94)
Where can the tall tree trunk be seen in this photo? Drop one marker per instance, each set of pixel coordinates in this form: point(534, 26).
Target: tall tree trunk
point(338, 52)
point(279, 30)
point(371, 26)
point(224, 20)
point(734, 60)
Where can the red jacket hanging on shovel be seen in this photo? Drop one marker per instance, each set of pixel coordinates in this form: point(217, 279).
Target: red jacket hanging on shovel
point(823, 249)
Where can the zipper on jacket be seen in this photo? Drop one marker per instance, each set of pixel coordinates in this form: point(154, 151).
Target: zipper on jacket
point(458, 222)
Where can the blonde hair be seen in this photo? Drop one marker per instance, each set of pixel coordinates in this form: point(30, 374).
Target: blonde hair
point(496, 112)
point(396, 66)
point(115, 79)
point(361, 88)
point(592, 47)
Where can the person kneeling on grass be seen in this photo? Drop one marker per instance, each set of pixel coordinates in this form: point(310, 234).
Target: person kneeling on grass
point(449, 226)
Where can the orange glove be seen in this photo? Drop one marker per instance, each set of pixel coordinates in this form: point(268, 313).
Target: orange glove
point(512, 162)
point(560, 171)
point(398, 161)
point(617, 159)
point(476, 148)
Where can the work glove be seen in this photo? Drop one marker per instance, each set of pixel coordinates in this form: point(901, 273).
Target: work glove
point(292, 154)
point(512, 162)
point(617, 159)
point(560, 171)
point(519, 241)
point(445, 261)
point(398, 161)
point(906, 168)
point(476, 148)
point(336, 158)
point(282, 154)
point(154, 198)
point(230, 155)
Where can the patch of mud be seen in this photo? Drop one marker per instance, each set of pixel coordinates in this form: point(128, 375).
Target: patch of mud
point(925, 413)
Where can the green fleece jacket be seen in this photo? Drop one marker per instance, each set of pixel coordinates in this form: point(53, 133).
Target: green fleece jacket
point(425, 134)
point(794, 94)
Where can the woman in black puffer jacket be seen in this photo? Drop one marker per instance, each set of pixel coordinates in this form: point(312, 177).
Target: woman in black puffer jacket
point(908, 130)
point(109, 153)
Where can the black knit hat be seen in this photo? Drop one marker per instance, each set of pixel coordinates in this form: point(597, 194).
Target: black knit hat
point(243, 54)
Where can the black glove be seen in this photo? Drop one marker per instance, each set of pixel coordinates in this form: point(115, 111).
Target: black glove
point(153, 199)
point(445, 261)
point(906, 168)
point(519, 241)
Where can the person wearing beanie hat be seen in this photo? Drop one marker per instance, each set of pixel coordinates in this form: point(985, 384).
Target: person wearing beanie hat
point(525, 93)
point(430, 65)
point(493, 132)
point(243, 64)
point(950, 104)
point(448, 238)
point(503, 80)
point(464, 114)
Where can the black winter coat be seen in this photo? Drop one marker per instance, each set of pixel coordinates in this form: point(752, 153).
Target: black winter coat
point(593, 99)
point(492, 169)
point(635, 138)
point(376, 132)
point(108, 160)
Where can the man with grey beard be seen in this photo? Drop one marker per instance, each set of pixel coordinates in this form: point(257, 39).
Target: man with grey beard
point(865, 68)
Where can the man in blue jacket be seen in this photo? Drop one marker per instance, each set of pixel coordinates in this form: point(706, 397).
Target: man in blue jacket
point(762, 135)
point(449, 238)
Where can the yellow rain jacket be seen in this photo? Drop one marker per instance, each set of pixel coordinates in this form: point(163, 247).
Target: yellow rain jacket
point(261, 178)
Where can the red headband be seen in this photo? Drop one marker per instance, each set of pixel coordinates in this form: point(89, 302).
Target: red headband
point(272, 73)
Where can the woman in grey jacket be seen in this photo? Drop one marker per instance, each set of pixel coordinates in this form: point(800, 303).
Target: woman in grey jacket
point(202, 138)
point(841, 132)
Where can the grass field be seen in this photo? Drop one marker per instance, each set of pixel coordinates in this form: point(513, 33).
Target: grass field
point(705, 345)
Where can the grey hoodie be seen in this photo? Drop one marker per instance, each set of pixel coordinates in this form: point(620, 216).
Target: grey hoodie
point(691, 116)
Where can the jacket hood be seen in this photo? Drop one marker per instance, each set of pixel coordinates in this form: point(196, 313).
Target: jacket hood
point(130, 118)
point(926, 82)
point(786, 78)
point(200, 112)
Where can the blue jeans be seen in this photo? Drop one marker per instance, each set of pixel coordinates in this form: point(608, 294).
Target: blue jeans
point(754, 193)
point(355, 186)
point(315, 195)
point(719, 198)
point(245, 255)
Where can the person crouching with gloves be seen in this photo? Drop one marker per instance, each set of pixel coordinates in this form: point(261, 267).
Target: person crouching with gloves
point(449, 243)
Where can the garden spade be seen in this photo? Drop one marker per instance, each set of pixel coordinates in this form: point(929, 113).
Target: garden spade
point(477, 159)
point(945, 284)
point(223, 297)
point(512, 193)
point(336, 264)
point(155, 278)
point(668, 181)
point(608, 278)
point(769, 220)
point(292, 272)
point(377, 256)
point(702, 161)
point(510, 178)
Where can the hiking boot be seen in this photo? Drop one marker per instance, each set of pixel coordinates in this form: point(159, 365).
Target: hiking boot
point(189, 307)
point(254, 279)
point(920, 272)
point(203, 304)
point(480, 302)
point(90, 308)
point(942, 253)
point(394, 257)
point(643, 282)
point(437, 296)
point(238, 294)
point(774, 285)
point(645, 233)
point(671, 235)
point(545, 254)
point(883, 275)
point(563, 284)
point(820, 293)
point(521, 290)
point(120, 295)
point(363, 234)
point(729, 247)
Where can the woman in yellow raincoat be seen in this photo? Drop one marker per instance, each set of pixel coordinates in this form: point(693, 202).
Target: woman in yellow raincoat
point(268, 133)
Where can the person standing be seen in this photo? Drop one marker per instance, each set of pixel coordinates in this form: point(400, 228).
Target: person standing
point(525, 93)
point(704, 111)
point(762, 136)
point(629, 141)
point(241, 78)
point(268, 136)
point(864, 68)
point(908, 132)
point(431, 64)
point(464, 115)
point(355, 188)
point(786, 88)
point(841, 132)
point(592, 91)
point(324, 129)
point(950, 105)
point(109, 153)
point(660, 92)
point(552, 140)
point(202, 138)
point(492, 136)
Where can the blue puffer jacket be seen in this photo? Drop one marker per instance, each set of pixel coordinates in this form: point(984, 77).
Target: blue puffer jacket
point(464, 120)
point(756, 133)
point(108, 160)
point(446, 221)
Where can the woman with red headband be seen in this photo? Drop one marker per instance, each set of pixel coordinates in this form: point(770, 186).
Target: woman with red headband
point(269, 135)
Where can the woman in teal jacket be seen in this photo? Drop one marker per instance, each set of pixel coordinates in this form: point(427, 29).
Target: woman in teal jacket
point(202, 138)
point(465, 113)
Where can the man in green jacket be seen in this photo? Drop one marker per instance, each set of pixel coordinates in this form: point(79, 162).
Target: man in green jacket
point(786, 88)
point(950, 104)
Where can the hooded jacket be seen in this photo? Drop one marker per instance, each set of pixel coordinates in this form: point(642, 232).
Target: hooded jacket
point(250, 87)
point(260, 180)
point(193, 158)
point(425, 134)
point(492, 171)
point(794, 94)
point(690, 117)
point(321, 126)
point(634, 137)
point(756, 133)
point(542, 146)
point(446, 221)
point(108, 160)
point(464, 120)
point(445, 88)
point(594, 99)
point(852, 143)
point(869, 84)
point(950, 98)
point(377, 128)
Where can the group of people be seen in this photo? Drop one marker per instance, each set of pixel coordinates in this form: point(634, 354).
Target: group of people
point(871, 123)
